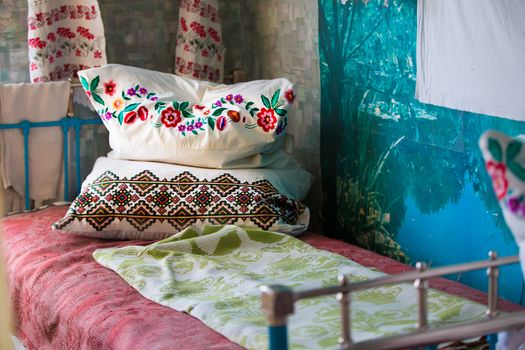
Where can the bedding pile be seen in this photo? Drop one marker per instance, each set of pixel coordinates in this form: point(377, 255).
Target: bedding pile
point(188, 153)
point(214, 274)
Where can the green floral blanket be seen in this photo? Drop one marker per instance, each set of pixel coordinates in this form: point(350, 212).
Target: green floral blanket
point(215, 275)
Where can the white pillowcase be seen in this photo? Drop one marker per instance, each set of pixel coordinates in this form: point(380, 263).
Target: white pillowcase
point(162, 117)
point(123, 199)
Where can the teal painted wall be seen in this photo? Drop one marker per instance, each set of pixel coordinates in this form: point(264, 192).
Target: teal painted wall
point(400, 177)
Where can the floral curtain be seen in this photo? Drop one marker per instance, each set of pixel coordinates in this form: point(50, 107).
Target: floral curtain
point(64, 37)
point(200, 53)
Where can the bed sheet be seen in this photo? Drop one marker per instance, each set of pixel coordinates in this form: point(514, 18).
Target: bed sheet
point(62, 299)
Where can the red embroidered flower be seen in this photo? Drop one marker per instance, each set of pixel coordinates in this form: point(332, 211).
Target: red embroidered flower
point(183, 24)
point(499, 180)
point(84, 32)
point(66, 33)
point(229, 98)
point(143, 113)
point(51, 59)
point(289, 95)
point(78, 52)
point(170, 117)
point(130, 117)
point(266, 119)
point(109, 87)
point(97, 54)
point(51, 37)
point(59, 53)
point(34, 66)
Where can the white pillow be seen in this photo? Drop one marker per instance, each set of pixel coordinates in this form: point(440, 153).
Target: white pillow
point(162, 117)
point(123, 199)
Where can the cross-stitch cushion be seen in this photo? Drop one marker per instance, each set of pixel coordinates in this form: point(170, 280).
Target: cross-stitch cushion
point(155, 116)
point(123, 199)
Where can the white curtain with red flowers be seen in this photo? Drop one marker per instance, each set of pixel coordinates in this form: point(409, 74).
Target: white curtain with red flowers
point(200, 53)
point(64, 36)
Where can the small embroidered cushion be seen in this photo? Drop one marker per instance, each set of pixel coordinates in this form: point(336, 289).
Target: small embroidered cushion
point(505, 163)
point(140, 200)
point(162, 117)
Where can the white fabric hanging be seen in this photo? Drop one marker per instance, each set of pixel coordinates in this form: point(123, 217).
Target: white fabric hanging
point(471, 54)
point(199, 53)
point(64, 36)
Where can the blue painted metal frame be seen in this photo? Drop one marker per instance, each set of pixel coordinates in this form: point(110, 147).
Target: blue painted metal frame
point(278, 337)
point(65, 124)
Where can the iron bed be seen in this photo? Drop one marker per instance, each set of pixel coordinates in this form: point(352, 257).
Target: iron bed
point(278, 301)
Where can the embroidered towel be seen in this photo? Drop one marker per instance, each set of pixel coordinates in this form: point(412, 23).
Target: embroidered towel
point(64, 37)
point(33, 102)
point(199, 53)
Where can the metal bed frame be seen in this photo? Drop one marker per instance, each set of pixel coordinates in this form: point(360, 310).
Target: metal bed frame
point(278, 303)
point(66, 123)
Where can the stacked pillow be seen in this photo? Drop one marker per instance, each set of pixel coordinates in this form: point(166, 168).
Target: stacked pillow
point(219, 148)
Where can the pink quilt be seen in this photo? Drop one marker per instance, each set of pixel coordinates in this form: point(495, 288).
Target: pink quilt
point(63, 299)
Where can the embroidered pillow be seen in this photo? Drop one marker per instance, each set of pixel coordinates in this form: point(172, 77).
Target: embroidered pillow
point(505, 163)
point(162, 117)
point(140, 200)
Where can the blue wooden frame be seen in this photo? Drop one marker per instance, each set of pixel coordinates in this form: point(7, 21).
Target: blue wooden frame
point(65, 124)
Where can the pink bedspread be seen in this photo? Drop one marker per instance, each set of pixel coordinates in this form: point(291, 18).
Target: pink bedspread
point(63, 299)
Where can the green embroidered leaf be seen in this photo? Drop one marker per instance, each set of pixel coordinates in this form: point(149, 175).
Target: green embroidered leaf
point(266, 101)
point(249, 104)
point(131, 107)
point(255, 110)
point(94, 83)
point(194, 132)
point(252, 113)
point(187, 114)
point(176, 105)
point(495, 150)
point(136, 87)
point(84, 83)
point(211, 123)
point(516, 169)
point(121, 118)
point(513, 149)
point(184, 105)
point(97, 98)
point(275, 98)
point(150, 95)
point(281, 112)
point(183, 133)
point(218, 112)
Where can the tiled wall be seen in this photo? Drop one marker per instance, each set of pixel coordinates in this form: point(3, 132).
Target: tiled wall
point(266, 38)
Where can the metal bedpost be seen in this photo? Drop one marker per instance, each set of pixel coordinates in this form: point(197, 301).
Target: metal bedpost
point(492, 303)
point(422, 288)
point(77, 155)
point(65, 129)
point(26, 126)
point(344, 299)
point(277, 304)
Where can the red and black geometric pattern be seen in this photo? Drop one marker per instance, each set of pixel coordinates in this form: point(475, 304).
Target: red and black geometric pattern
point(144, 199)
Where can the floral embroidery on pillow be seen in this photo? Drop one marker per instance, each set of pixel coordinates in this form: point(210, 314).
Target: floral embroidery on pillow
point(502, 163)
point(188, 119)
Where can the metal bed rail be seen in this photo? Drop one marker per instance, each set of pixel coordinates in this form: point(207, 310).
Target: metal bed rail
point(65, 124)
point(278, 303)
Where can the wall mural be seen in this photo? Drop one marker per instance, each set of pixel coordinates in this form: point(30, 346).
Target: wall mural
point(400, 177)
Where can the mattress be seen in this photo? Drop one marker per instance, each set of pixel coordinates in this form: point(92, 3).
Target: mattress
point(63, 299)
